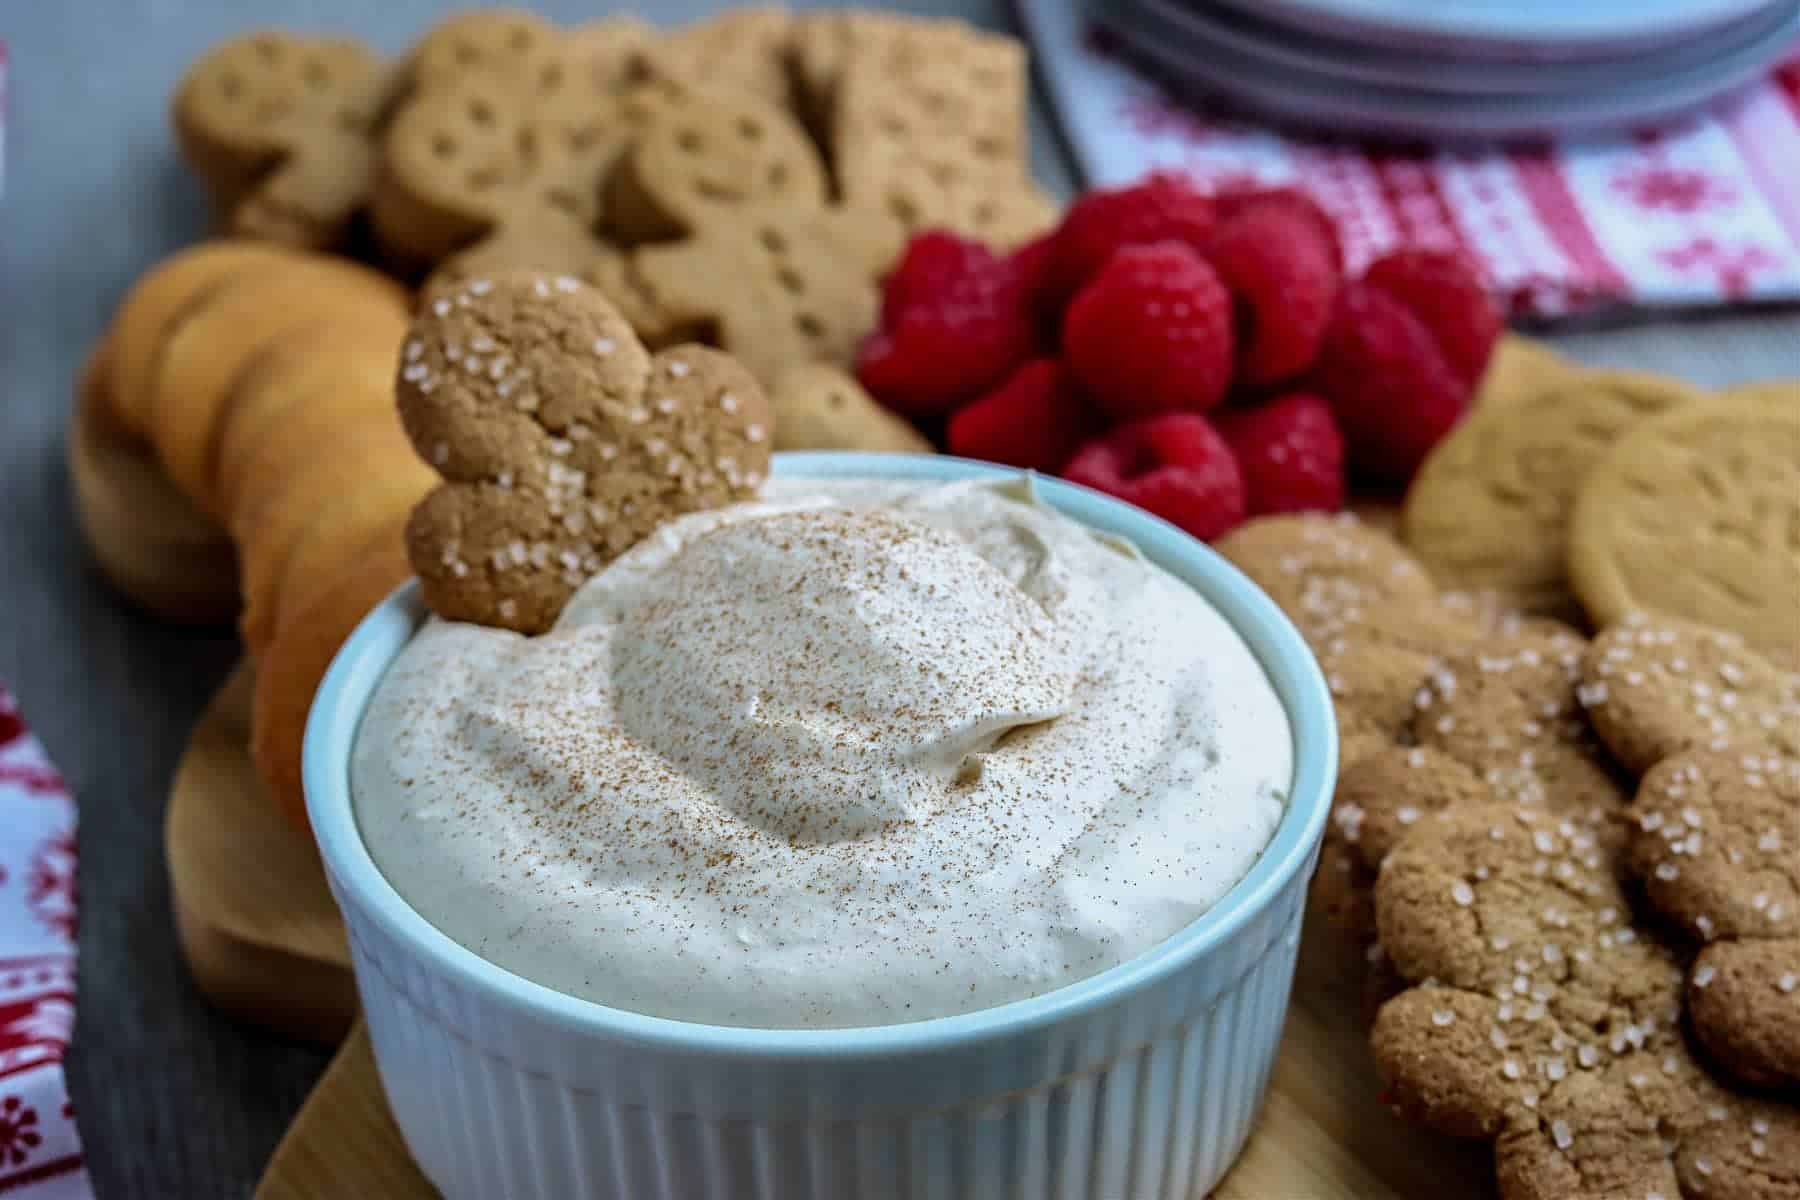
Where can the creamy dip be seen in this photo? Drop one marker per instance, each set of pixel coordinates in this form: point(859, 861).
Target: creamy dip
point(859, 754)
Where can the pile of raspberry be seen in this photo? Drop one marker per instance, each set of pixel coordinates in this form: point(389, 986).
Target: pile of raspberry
point(1199, 355)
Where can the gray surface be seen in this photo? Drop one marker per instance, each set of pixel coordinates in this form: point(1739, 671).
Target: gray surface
point(175, 1101)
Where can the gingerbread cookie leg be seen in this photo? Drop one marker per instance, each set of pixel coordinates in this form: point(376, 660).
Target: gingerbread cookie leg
point(1716, 844)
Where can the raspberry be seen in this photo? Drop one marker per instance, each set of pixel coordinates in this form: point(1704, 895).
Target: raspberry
point(1296, 203)
point(1036, 419)
point(952, 335)
point(1443, 290)
point(1151, 333)
point(1175, 465)
point(1283, 279)
point(935, 261)
point(1164, 207)
point(1290, 452)
point(1390, 387)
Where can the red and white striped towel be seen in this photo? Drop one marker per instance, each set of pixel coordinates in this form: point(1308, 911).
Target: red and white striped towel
point(1702, 212)
point(40, 1151)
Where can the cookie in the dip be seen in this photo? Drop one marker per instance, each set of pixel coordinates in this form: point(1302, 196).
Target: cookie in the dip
point(561, 441)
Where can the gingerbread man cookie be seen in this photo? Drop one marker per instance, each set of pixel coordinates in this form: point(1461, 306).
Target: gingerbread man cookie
point(708, 158)
point(527, 51)
point(775, 286)
point(282, 130)
point(1496, 721)
point(561, 441)
point(1541, 1018)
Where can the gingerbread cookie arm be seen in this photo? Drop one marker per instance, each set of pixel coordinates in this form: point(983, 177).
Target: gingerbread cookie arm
point(1658, 687)
point(561, 442)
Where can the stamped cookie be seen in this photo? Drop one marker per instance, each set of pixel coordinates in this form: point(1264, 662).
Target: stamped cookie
point(1490, 507)
point(776, 286)
point(1696, 514)
point(820, 407)
point(1542, 1019)
point(282, 130)
point(1519, 368)
point(561, 441)
point(1715, 842)
point(1656, 687)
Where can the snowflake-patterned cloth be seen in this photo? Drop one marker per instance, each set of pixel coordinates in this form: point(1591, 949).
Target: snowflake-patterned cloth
point(1700, 212)
point(40, 1152)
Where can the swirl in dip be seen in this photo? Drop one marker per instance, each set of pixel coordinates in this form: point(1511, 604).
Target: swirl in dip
point(860, 754)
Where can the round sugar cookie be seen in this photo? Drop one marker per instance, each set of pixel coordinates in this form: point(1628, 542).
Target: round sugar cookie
point(1489, 509)
point(205, 353)
point(1696, 515)
point(158, 301)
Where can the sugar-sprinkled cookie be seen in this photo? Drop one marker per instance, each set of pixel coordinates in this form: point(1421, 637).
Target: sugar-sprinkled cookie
point(1490, 506)
point(561, 440)
point(1368, 610)
point(1494, 721)
point(1541, 1018)
point(1654, 687)
point(282, 129)
point(1715, 842)
point(1696, 514)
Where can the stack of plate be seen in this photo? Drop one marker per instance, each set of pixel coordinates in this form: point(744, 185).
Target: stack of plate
point(1458, 68)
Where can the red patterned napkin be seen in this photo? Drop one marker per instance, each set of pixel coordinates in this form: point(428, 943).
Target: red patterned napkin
point(40, 1152)
point(1705, 211)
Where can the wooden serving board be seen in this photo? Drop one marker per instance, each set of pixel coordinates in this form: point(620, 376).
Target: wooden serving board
point(1322, 1135)
point(258, 926)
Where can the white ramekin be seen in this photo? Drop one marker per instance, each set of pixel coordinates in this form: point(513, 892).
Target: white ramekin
point(1140, 1083)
